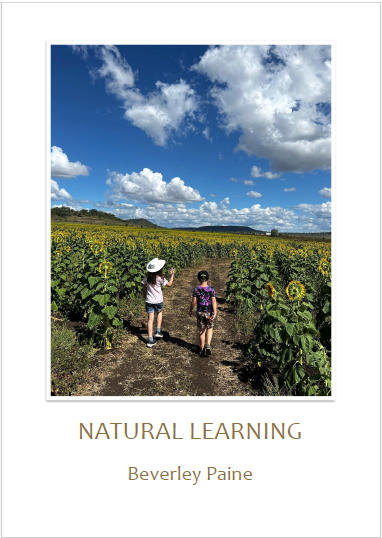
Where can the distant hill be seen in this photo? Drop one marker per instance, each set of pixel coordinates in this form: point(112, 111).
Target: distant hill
point(224, 229)
point(93, 216)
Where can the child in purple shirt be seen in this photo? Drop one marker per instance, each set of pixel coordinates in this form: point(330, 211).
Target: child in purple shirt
point(205, 298)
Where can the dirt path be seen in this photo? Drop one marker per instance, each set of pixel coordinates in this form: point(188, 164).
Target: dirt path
point(173, 367)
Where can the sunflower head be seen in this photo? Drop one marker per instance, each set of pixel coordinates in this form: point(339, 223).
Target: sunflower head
point(324, 266)
point(268, 254)
point(234, 252)
point(270, 289)
point(295, 290)
point(97, 247)
point(253, 255)
point(105, 267)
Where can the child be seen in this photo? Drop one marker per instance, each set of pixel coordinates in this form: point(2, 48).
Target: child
point(152, 292)
point(205, 298)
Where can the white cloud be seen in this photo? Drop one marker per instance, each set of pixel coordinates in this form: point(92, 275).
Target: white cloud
point(220, 156)
point(249, 182)
point(61, 194)
point(149, 187)
point(254, 194)
point(160, 113)
point(224, 204)
point(82, 51)
point(213, 195)
point(234, 179)
point(208, 214)
point(62, 168)
point(206, 134)
point(277, 98)
point(326, 192)
point(256, 172)
point(317, 216)
point(292, 189)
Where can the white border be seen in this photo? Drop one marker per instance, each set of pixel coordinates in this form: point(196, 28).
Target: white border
point(48, 224)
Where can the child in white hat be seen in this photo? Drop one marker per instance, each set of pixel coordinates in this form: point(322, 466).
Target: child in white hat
point(152, 292)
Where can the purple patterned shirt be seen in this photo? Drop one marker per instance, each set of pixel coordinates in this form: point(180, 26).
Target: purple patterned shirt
point(204, 296)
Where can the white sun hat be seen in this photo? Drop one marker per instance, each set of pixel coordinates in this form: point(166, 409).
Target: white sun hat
point(155, 265)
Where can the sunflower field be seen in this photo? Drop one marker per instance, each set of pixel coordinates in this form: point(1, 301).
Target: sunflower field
point(286, 282)
point(289, 284)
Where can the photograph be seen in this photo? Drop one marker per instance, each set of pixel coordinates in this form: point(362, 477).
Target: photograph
point(190, 220)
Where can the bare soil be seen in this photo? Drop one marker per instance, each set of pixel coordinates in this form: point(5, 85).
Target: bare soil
point(173, 367)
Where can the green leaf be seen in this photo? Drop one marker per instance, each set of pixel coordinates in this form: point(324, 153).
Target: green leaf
point(290, 328)
point(102, 299)
point(94, 319)
point(85, 293)
point(293, 373)
point(110, 311)
point(53, 307)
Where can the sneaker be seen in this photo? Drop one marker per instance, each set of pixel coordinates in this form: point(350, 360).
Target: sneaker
point(158, 334)
point(208, 350)
point(151, 342)
point(201, 353)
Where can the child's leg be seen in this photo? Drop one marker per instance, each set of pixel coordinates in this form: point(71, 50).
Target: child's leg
point(159, 319)
point(202, 338)
point(210, 332)
point(150, 323)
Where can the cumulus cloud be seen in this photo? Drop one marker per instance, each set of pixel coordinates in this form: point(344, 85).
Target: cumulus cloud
point(224, 204)
point(208, 214)
point(317, 216)
point(254, 194)
point(206, 134)
point(149, 187)
point(62, 168)
point(161, 113)
point(57, 194)
point(256, 172)
point(292, 189)
point(326, 192)
point(278, 98)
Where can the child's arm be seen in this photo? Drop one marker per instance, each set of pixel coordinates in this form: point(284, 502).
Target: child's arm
point(193, 303)
point(169, 283)
point(215, 307)
point(144, 290)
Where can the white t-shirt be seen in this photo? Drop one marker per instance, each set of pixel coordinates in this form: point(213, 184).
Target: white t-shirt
point(154, 293)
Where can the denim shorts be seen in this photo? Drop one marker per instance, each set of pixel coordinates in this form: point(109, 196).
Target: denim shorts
point(156, 307)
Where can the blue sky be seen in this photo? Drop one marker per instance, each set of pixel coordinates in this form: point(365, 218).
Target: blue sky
point(194, 135)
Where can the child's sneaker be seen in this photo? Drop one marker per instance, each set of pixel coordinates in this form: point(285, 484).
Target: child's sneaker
point(151, 342)
point(208, 350)
point(158, 334)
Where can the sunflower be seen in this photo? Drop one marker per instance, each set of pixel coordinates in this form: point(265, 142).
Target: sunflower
point(67, 248)
point(97, 247)
point(234, 252)
point(253, 255)
point(270, 289)
point(268, 254)
point(309, 252)
point(105, 266)
point(58, 253)
point(295, 290)
point(324, 266)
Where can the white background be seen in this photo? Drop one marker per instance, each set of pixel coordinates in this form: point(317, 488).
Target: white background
point(327, 484)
